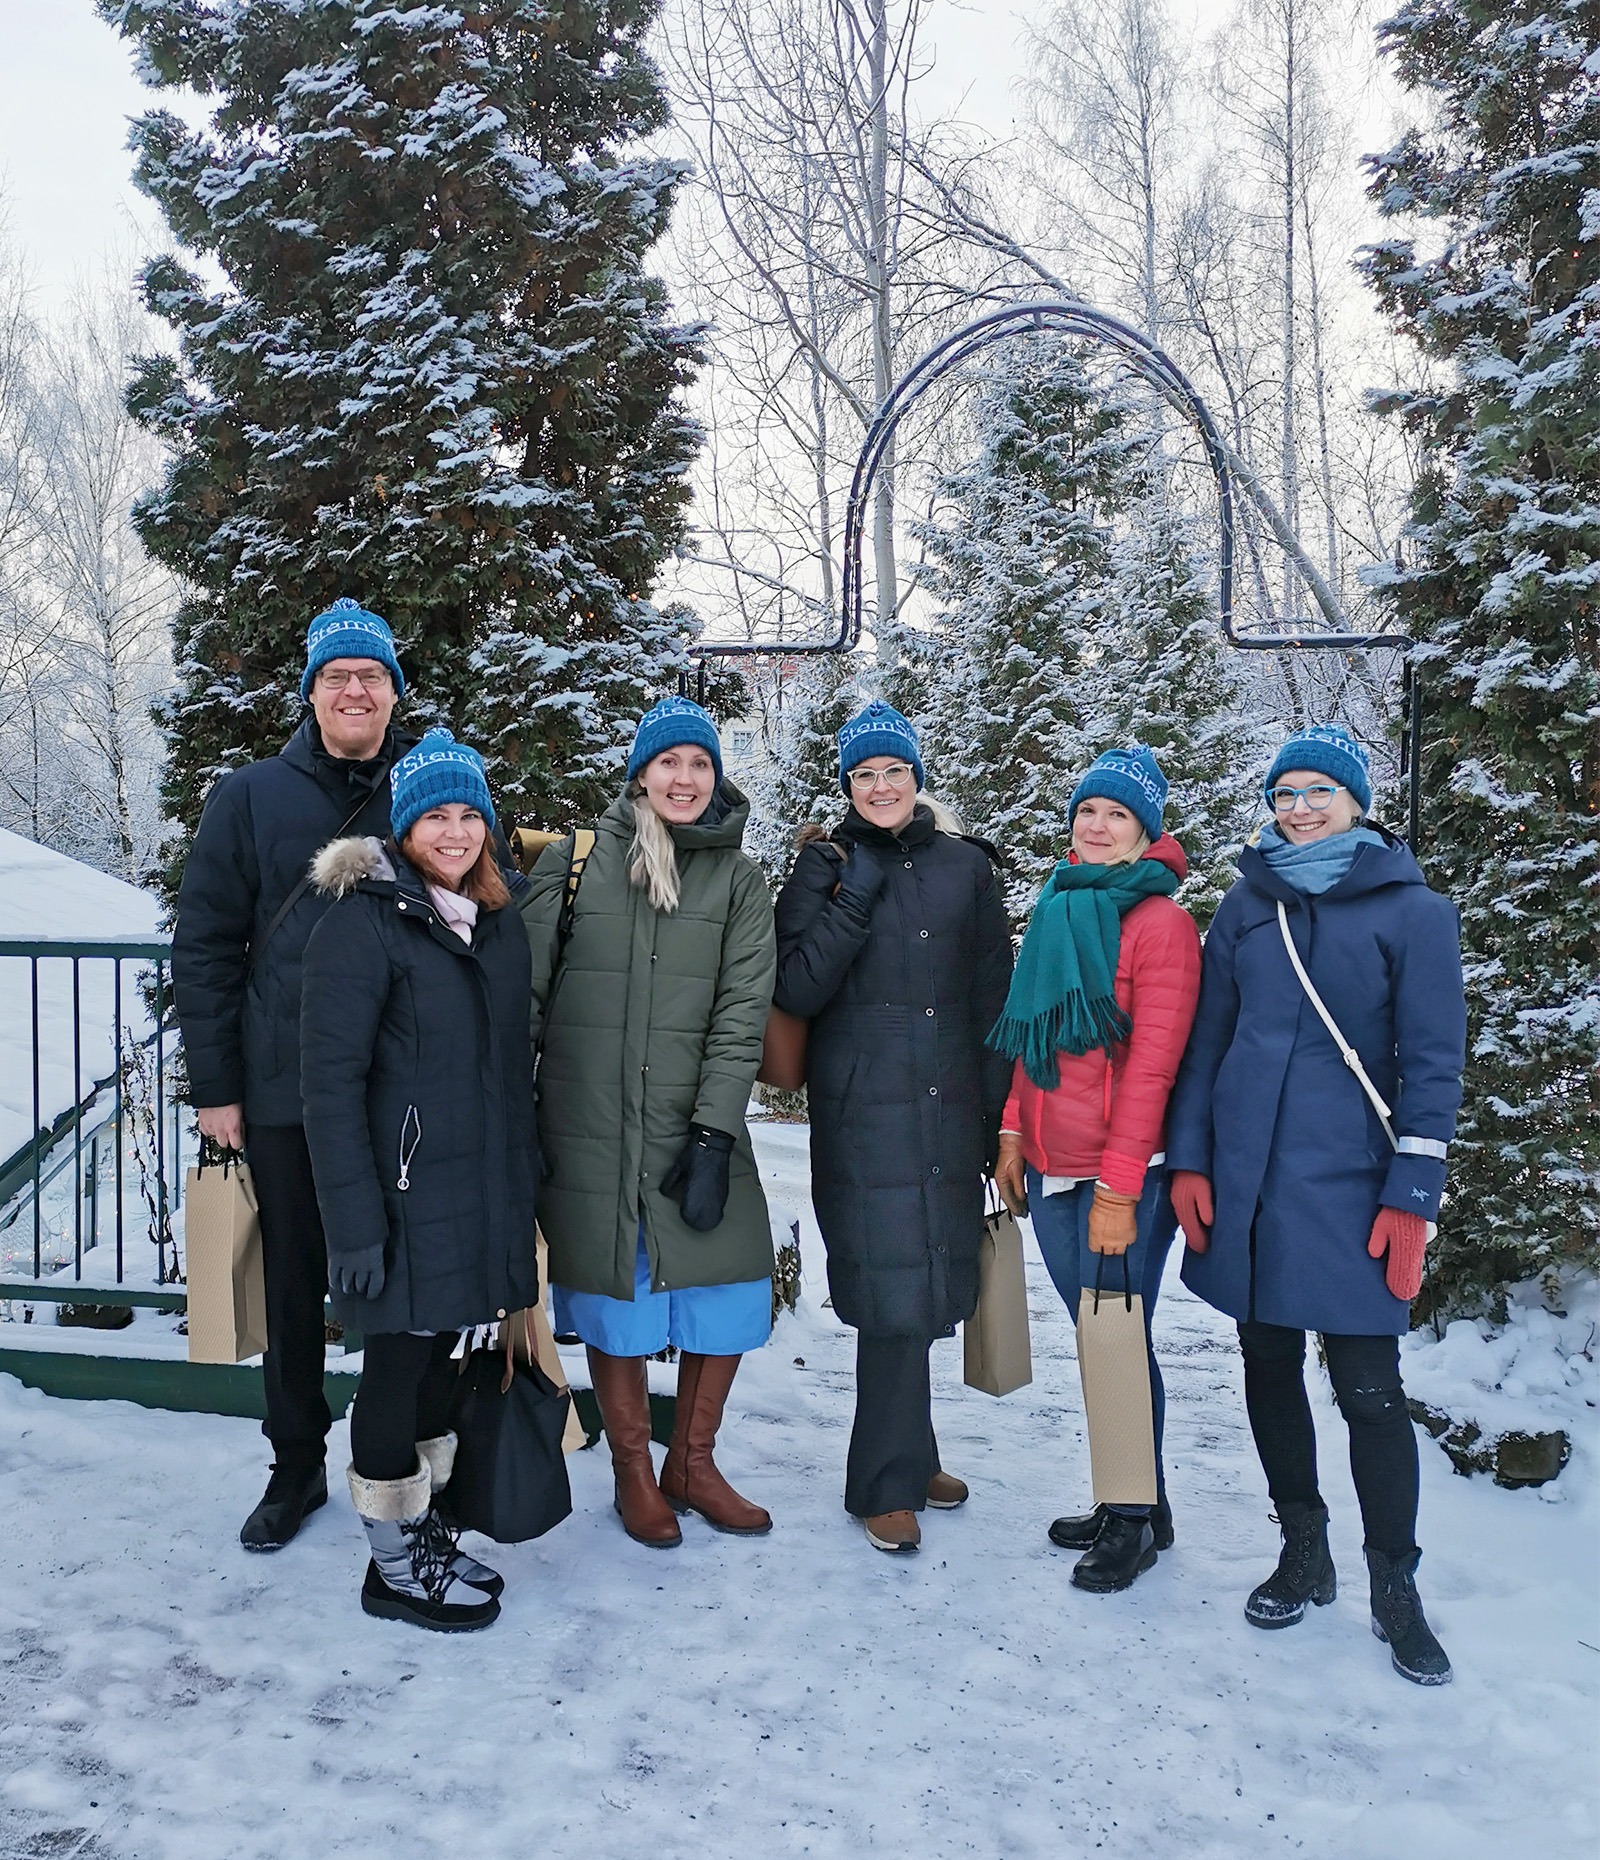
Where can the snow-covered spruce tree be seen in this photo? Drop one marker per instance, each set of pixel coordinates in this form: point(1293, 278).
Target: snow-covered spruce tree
point(800, 780)
point(1171, 682)
point(1071, 618)
point(1005, 687)
point(434, 373)
point(1503, 588)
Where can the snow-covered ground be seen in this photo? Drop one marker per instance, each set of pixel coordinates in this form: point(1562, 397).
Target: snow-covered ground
point(163, 1695)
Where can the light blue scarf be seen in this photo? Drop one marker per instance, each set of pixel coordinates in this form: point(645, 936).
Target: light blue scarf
point(1317, 866)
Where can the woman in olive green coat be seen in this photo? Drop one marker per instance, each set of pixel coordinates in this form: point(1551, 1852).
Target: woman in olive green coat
point(651, 1008)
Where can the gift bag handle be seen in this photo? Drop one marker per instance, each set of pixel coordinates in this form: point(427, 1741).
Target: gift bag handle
point(1127, 1287)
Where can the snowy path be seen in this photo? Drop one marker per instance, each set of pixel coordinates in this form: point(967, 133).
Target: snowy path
point(162, 1695)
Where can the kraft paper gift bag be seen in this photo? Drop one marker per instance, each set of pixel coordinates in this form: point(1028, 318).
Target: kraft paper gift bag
point(1113, 1362)
point(222, 1253)
point(997, 1357)
point(534, 1325)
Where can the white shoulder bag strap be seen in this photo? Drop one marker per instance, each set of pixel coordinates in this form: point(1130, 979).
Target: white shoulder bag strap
point(1351, 1057)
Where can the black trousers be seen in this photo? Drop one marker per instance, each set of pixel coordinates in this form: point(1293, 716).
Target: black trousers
point(1366, 1384)
point(294, 1258)
point(403, 1397)
point(893, 1453)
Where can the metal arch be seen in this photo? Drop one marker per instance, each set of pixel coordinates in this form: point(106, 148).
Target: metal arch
point(1068, 317)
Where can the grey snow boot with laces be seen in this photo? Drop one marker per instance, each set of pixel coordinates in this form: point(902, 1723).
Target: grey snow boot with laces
point(439, 1456)
point(1304, 1574)
point(410, 1577)
point(1398, 1620)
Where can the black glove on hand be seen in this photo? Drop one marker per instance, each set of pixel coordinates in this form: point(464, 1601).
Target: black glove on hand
point(361, 1275)
point(698, 1180)
point(860, 881)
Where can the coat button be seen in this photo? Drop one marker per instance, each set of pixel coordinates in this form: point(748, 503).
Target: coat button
point(934, 1170)
point(499, 1314)
point(928, 1012)
point(933, 1091)
point(908, 865)
point(923, 934)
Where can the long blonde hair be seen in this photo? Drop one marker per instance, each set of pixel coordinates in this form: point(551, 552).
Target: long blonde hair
point(652, 858)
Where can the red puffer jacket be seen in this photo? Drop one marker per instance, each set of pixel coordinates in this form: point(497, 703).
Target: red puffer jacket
point(1105, 1119)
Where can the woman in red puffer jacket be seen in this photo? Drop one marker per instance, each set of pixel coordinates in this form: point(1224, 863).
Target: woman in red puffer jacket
point(1099, 1011)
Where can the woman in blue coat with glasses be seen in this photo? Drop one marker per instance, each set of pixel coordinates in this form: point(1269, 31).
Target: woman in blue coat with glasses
point(1303, 1208)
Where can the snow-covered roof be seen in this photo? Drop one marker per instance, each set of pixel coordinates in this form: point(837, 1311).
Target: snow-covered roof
point(46, 894)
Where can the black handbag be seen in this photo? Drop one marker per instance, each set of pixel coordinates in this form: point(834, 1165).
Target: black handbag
point(510, 1477)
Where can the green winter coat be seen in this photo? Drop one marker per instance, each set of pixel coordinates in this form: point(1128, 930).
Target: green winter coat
point(652, 1022)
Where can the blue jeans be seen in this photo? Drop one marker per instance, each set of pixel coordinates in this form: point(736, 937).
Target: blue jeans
point(1061, 1227)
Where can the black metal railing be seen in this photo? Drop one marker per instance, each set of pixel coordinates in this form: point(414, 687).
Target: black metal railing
point(101, 1039)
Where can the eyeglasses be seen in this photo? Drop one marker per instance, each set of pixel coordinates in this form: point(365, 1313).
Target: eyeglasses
point(897, 774)
point(1318, 797)
point(374, 680)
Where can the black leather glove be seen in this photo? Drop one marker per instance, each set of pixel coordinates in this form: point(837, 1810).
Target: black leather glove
point(698, 1180)
point(362, 1274)
point(860, 881)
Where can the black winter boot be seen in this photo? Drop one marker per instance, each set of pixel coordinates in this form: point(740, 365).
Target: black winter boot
point(1397, 1618)
point(292, 1494)
point(1080, 1532)
point(1304, 1574)
point(1124, 1550)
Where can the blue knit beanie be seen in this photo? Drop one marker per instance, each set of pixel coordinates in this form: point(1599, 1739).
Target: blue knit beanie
point(435, 772)
point(1330, 750)
point(669, 724)
point(1132, 778)
point(879, 730)
point(348, 631)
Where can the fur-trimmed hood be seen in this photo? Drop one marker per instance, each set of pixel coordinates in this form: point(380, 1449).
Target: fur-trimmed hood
point(343, 864)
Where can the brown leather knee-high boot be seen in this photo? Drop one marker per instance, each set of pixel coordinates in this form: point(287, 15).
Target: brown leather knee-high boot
point(622, 1389)
point(689, 1477)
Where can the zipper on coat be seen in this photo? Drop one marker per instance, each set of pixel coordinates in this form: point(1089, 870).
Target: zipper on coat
point(410, 1137)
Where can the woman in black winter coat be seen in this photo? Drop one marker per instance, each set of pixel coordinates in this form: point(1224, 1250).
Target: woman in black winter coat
point(418, 1089)
point(893, 944)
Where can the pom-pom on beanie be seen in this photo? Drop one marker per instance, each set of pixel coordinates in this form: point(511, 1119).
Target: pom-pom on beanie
point(1132, 778)
point(348, 631)
point(433, 773)
point(879, 730)
point(1332, 751)
point(670, 724)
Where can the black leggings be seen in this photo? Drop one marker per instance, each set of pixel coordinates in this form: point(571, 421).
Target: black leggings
point(1383, 1445)
point(403, 1397)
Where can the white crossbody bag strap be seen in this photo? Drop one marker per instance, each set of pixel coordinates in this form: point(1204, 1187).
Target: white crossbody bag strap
point(1351, 1057)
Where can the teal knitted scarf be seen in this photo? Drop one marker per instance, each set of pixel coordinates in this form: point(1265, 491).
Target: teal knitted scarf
point(1063, 997)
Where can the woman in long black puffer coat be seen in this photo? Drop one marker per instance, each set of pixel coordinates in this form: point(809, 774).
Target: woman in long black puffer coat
point(417, 1082)
point(893, 944)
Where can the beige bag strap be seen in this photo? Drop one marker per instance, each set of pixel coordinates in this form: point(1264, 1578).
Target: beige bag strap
point(1351, 1057)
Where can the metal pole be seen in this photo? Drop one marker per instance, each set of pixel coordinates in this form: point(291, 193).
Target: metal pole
point(37, 1137)
point(1414, 750)
point(116, 1015)
point(161, 1129)
point(77, 1120)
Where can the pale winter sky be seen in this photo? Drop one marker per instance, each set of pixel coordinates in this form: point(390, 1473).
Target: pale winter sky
point(67, 90)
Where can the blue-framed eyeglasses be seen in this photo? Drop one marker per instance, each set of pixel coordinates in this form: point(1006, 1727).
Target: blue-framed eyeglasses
point(1318, 796)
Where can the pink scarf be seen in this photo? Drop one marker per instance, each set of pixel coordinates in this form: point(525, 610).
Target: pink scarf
point(460, 914)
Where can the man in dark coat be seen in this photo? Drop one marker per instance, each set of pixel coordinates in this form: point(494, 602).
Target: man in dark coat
point(245, 910)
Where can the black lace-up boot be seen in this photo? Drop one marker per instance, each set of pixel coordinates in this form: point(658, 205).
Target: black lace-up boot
point(1397, 1619)
point(1304, 1574)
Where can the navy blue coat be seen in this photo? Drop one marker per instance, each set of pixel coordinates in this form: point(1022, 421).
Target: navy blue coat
point(905, 1098)
point(417, 1077)
point(261, 828)
point(1266, 1107)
